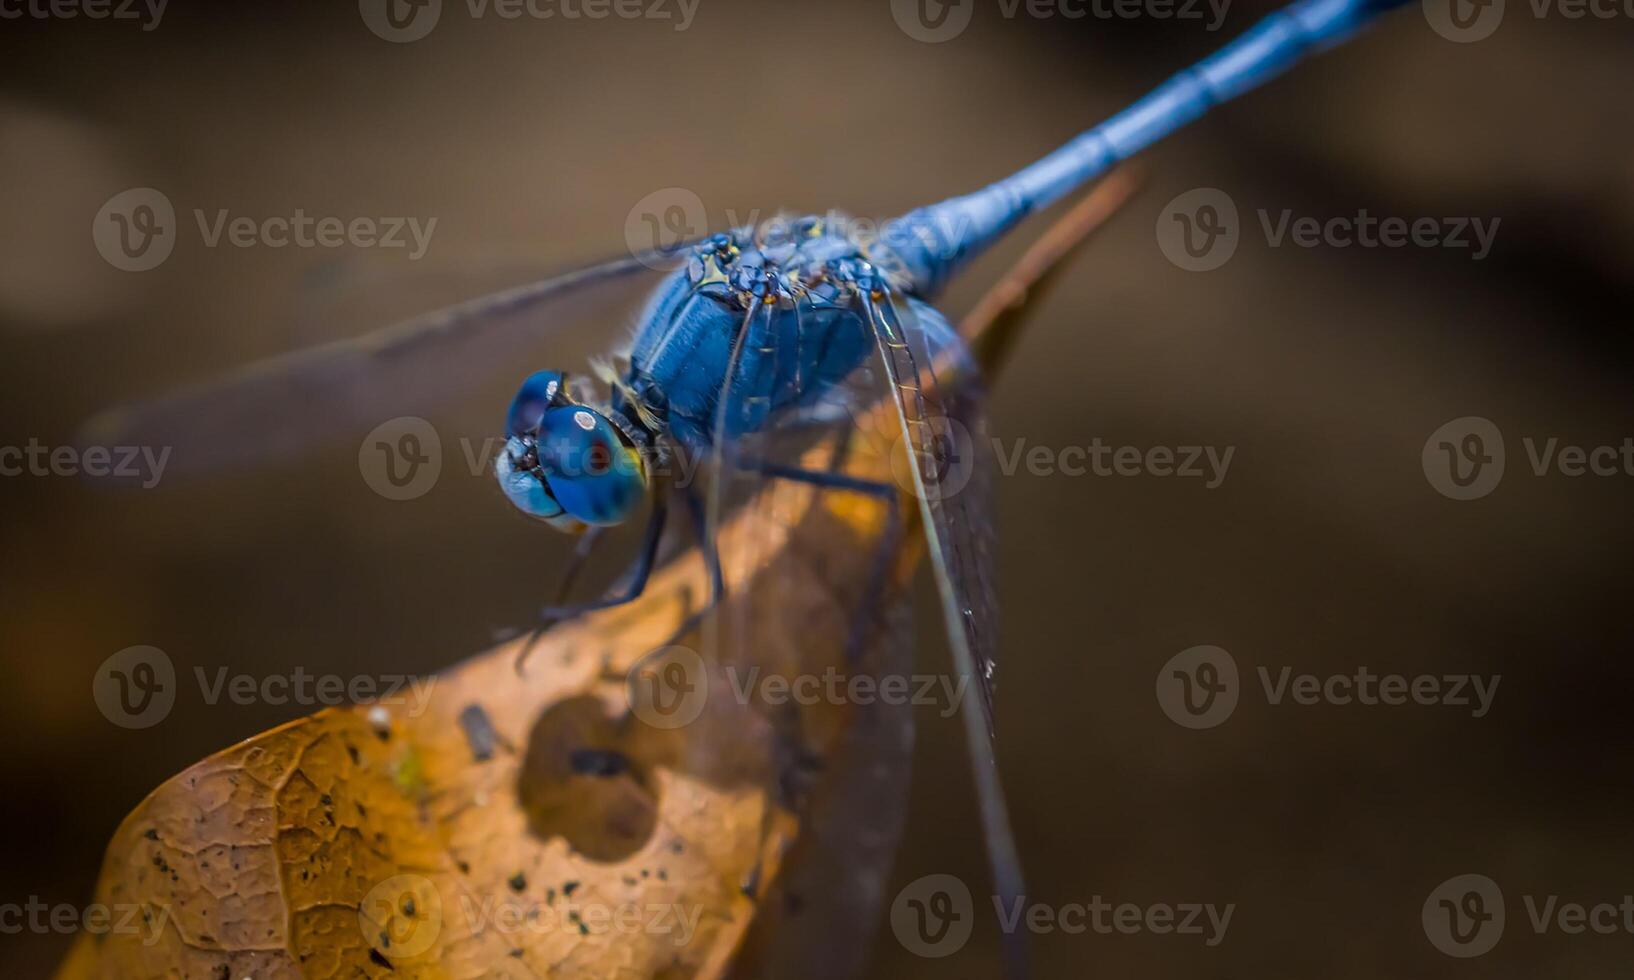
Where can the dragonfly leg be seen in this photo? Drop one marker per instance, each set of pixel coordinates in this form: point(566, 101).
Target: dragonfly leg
point(581, 553)
point(885, 552)
point(638, 575)
point(712, 560)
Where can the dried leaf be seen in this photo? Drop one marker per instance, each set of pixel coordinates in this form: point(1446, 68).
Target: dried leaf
point(545, 824)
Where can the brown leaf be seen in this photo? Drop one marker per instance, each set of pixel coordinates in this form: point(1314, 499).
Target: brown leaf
point(544, 824)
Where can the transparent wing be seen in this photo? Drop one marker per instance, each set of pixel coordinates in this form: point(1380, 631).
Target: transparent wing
point(809, 530)
point(290, 403)
point(940, 411)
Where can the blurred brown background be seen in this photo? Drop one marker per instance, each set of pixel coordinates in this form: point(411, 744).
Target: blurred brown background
point(1325, 548)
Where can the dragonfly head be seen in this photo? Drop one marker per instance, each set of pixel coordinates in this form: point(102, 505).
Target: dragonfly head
point(564, 462)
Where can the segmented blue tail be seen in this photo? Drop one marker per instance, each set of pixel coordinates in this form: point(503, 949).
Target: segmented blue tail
point(933, 241)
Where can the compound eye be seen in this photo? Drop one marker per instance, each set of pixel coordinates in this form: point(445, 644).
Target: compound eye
point(542, 391)
point(595, 475)
point(517, 470)
point(599, 459)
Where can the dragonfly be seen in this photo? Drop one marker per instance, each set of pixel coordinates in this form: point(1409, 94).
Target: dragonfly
point(753, 340)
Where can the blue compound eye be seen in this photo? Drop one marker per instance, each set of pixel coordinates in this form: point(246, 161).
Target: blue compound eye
point(519, 476)
point(593, 474)
point(542, 391)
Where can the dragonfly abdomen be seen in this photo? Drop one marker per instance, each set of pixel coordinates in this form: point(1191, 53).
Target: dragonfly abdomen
point(931, 243)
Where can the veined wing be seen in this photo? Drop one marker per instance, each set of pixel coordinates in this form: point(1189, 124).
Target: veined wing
point(818, 591)
point(820, 454)
point(289, 403)
point(942, 423)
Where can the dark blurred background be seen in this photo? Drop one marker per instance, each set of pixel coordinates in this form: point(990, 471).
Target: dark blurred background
point(1325, 548)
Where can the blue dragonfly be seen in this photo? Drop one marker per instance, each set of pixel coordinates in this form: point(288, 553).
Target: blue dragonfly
point(753, 336)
